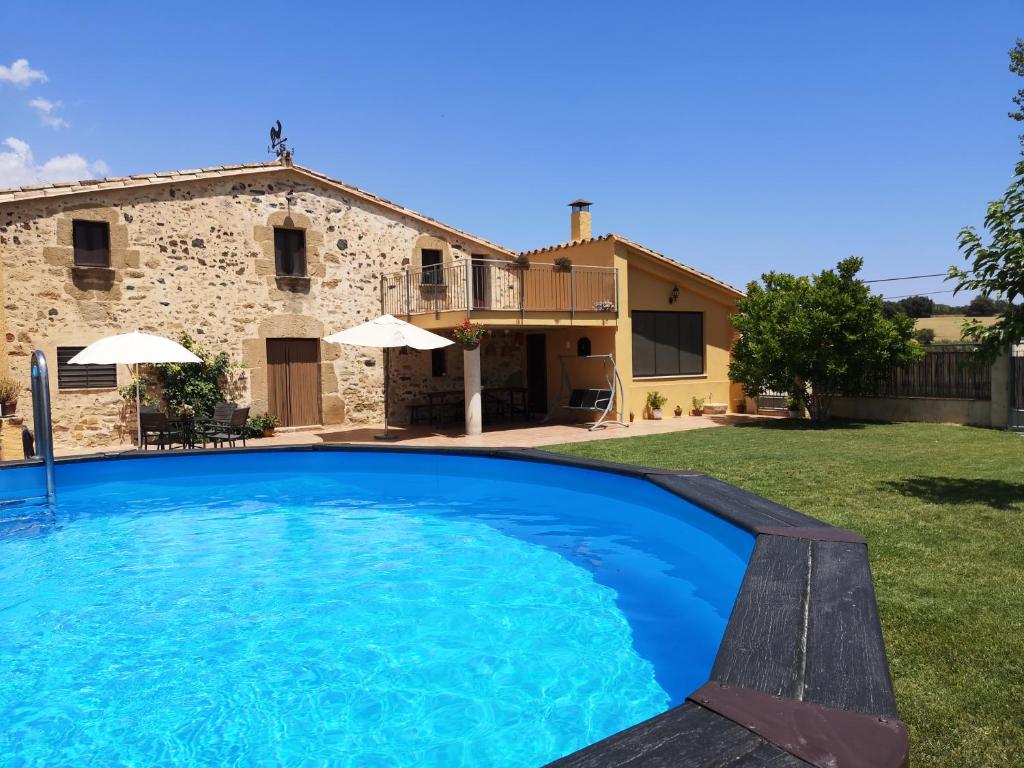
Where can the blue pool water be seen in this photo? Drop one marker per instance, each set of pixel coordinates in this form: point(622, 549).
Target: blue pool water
point(350, 609)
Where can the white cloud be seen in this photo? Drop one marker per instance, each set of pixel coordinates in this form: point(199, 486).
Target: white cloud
point(47, 111)
point(21, 73)
point(18, 167)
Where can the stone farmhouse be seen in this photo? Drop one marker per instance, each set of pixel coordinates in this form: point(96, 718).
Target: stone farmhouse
point(263, 260)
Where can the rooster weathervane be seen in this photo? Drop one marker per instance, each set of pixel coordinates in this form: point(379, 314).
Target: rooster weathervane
point(278, 144)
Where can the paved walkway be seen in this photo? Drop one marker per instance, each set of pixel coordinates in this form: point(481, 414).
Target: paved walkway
point(499, 436)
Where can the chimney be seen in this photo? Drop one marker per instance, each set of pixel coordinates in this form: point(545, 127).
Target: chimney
point(580, 219)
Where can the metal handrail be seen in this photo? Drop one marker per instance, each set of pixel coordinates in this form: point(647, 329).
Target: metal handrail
point(41, 420)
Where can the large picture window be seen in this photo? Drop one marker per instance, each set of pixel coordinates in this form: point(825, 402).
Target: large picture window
point(668, 343)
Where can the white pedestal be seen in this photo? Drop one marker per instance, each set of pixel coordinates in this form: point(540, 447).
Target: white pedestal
point(471, 379)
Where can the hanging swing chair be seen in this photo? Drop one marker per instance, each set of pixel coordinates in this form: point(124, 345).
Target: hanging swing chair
point(600, 401)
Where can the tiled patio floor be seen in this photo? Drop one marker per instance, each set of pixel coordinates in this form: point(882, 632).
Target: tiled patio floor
point(498, 436)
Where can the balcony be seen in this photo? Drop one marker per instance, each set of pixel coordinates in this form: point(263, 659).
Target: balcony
point(502, 290)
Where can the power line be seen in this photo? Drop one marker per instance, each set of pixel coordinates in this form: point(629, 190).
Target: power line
point(911, 277)
point(907, 296)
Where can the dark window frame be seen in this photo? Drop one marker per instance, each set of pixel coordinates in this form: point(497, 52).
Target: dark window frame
point(90, 241)
point(668, 344)
point(439, 363)
point(297, 257)
point(71, 377)
point(431, 273)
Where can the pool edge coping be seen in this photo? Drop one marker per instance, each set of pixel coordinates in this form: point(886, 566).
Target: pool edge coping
point(809, 693)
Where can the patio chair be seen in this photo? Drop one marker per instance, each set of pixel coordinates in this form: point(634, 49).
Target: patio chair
point(228, 431)
point(158, 431)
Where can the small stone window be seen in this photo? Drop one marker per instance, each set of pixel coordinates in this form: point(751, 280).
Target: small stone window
point(290, 252)
point(431, 261)
point(583, 347)
point(83, 376)
point(91, 241)
point(438, 363)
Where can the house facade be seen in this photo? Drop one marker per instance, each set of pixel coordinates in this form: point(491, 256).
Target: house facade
point(262, 261)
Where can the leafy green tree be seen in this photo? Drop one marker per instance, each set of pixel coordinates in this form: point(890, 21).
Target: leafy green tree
point(1017, 67)
point(917, 306)
point(817, 337)
point(996, 268)
point(200, 385)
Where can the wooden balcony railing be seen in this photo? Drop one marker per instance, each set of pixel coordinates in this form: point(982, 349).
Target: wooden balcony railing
point(481, 285)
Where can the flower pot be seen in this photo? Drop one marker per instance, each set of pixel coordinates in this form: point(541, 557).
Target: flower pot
point(656, 414)
point(469, 346)
point(268, 432)
point(7, 409)
point(697, 412)
point(794, 414)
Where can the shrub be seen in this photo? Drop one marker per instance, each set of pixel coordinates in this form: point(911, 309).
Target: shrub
point(924, 335)
point(9, 390)
point(200, 385)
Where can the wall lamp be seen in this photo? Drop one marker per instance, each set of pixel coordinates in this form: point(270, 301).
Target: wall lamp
point(674, 296)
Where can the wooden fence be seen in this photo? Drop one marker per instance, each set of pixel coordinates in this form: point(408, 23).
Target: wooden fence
point(947, 371)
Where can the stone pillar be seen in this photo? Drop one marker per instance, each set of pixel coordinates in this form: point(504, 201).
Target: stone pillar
point(471, 382)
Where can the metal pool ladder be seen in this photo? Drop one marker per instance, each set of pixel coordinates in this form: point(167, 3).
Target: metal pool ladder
point(41, 421)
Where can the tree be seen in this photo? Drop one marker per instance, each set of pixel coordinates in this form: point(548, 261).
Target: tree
point(816, 337)
point(997, 267)
point(981, 306)
point(1017, 67)
point(918, 306)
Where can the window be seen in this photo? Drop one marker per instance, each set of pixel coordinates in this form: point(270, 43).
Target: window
point(668, 343)
point(83, 376)
point(290, 252)
point(438, 363)
point(583, 347)
point(91, 240)
point(430, 260)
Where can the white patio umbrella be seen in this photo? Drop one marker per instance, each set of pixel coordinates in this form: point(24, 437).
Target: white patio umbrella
point(384, 333)
point(131, 349)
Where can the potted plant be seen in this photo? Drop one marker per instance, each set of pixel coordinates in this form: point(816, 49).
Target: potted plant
point(522, 261)
point(563, 264)
point(679, 411)
point(604, 306)
point(698, 406)
point(8, 396)
point(261, 425)
point(655, 401)
point(468, 334)
point(795, 407)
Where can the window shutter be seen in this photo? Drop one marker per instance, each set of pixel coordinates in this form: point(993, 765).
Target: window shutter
point(83, 376)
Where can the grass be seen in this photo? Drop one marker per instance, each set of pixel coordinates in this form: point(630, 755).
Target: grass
point(942, 508)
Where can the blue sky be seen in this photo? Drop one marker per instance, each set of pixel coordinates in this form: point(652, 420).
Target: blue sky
point(736, 137)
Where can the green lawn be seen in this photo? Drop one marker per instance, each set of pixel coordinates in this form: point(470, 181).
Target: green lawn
point(942, 508)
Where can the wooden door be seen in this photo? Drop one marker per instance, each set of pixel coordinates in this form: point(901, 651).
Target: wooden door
point(536, 373)
point(293, 381)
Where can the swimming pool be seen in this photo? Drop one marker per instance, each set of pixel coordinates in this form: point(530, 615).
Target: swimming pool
point(351, 608)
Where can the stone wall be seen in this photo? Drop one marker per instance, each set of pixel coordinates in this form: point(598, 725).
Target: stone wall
point(197, 257)
point(502, 363)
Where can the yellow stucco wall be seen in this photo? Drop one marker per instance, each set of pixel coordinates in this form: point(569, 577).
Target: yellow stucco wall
point(647, 286)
